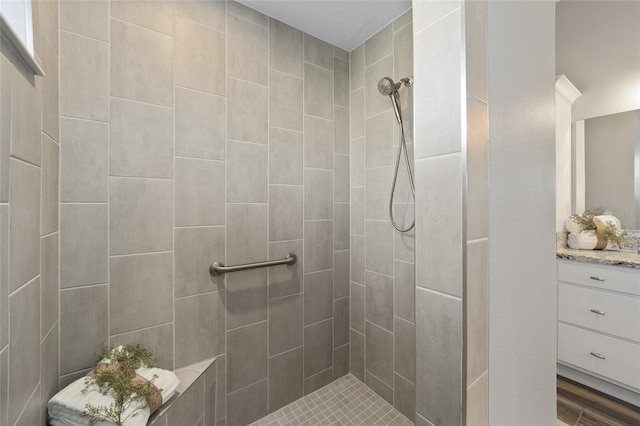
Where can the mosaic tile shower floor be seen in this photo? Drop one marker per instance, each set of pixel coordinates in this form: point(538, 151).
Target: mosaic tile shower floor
point(346, 401)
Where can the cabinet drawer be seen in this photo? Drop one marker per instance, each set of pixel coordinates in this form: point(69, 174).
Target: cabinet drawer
point(616, 279)
point(611, 313)
point(621, 361)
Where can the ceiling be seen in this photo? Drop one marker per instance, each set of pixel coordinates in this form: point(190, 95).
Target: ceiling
point(598, 49)
point(345, 23)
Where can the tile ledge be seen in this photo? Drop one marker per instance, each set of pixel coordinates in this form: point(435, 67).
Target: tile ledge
point(188, 376)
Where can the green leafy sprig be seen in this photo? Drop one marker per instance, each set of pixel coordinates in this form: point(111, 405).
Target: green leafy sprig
point(120, 384)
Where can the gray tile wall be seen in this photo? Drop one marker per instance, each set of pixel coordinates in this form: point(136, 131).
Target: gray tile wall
point(29, 225)
point(219, 134)
point(452, 185)
point(382, 319)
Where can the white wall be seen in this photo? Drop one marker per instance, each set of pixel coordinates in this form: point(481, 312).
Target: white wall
point(522, 324)
point(597, 49)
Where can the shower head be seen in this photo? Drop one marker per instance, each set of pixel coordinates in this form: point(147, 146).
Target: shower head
point(387, 87)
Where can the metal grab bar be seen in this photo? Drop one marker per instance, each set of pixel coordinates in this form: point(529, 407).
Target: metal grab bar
point(218, 268)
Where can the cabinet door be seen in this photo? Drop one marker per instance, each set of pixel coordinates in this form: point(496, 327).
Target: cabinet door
point(612, 313)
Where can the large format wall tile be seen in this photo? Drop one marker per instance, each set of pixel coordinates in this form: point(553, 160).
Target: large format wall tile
point(477, 309)
point(285, 101)
point(341, 322)
point(156, 339)
point(4, 275)
point(379, 353)
point(141, 142)
point(404, 290)
point(442, 198)
point(84, 77)
point(379, 46)
point(318, 347)
point(405, 349)
point(438, 323)
point(341, 136)
point(84, 242)
point(141, 215)
point(318, 142)
point(378, 190)
point(356, 361)
point(200, 57)
point(50, 92)
point(84, 160)
point(285, 378)
point(318, 245)
point(357, 307)
point(155, 15)
point(249, 404)
point(247, 111)
point(318, 52)
point(318, 98)
point(199, 192)
point(212, 14)
point(83, 312)
point(141, 291)
point(285, 212)
point(24, 350)
point(356, 67)
point(378, 386)
point(341, 226)
point(318, 296)
point(341, 82)
point(138, 70)
point(375, 102)
point(285, 157)
point(318, 194)
point(440, 120)
point(285, 48)
point(88, 18)
point(200, 124)
point(285, 324)
point(195, 249)
point(379, 300)
point(378, 132)
point(49, 283)
point(285, 280)
point(247, 356)
point(341, 177)
point(246, 297)
point(247, 172)
point(24, 223)
point(248, 52)
point(50, 194)
point(379, 247)
point(248, 225)
point(199, 328)
point(341, 274)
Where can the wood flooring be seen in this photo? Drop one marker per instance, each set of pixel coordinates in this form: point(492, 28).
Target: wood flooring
point(579, 405)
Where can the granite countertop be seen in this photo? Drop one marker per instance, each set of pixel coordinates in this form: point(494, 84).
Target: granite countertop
point(627, 259)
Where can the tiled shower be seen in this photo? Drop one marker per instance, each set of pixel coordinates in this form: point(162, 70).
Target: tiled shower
point(170, 134)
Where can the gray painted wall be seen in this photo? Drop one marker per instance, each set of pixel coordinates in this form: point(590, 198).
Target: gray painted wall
point(522, 274)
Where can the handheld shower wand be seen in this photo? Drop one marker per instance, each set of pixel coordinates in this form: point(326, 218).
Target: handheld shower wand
point(387, 87)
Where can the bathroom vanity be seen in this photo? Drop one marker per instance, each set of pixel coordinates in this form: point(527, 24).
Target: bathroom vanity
point(599, 320)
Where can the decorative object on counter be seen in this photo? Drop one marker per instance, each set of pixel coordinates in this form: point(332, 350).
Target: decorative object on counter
point(124, 389)
point(594, 230)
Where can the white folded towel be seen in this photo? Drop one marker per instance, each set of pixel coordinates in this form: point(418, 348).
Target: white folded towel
point(66, 407)
point(608, 219)
point(586, 240)
point(572, 226)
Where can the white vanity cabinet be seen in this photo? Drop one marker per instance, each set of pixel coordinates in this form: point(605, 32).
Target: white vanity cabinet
point(599, 327)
